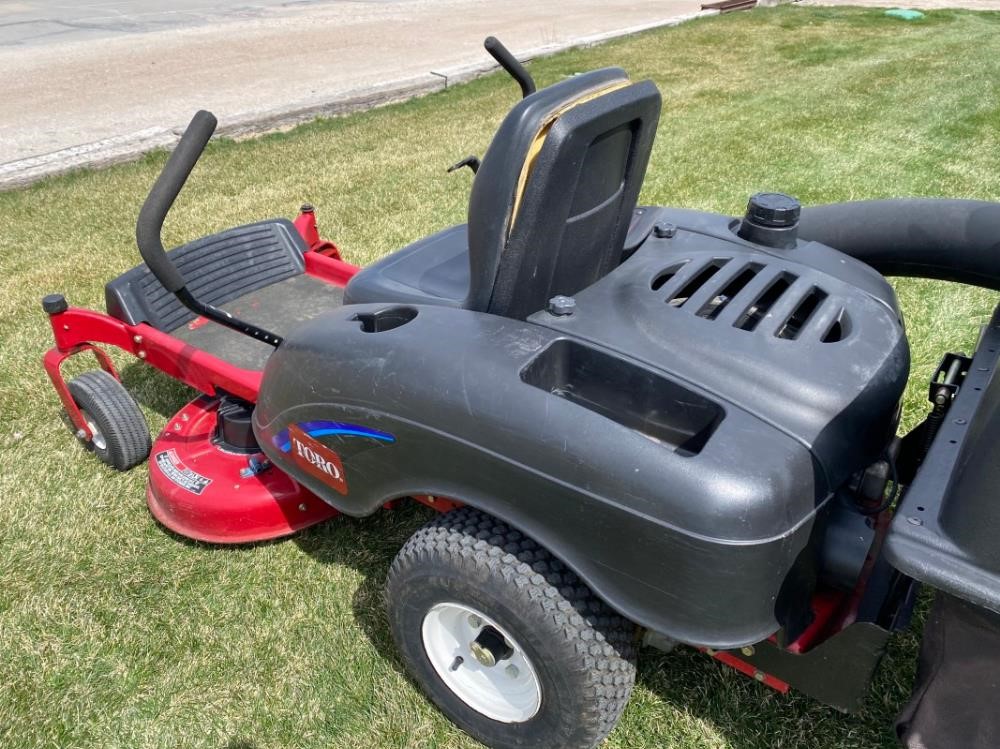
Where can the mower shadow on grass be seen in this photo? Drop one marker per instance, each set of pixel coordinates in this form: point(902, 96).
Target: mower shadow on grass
point(368, 546)
point(687, 681)
point(748, 714)
point(154, 390)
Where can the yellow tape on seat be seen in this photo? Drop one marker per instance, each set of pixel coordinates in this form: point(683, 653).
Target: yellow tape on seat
point(539, 140)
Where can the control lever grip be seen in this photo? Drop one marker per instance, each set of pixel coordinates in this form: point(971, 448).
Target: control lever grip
point(511, 64)
point(162, 196)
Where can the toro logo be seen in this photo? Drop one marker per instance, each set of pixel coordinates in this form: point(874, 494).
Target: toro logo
point(316, 458)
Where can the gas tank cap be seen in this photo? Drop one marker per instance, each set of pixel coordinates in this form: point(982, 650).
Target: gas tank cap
point(772, 219)
point(773, 209)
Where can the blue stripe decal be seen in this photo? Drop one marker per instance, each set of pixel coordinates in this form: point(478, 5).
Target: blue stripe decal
point(325, 428)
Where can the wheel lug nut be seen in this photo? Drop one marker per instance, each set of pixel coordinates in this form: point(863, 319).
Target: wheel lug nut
point(512, 671)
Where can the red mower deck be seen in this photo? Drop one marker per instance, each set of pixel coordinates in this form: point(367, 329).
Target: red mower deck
point(199, 490)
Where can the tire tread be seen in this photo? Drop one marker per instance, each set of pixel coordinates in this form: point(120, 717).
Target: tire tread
point(117, 415)
point(602, 642)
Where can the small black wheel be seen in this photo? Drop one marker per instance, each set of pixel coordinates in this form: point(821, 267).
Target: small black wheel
point(120, 433)
point(505, 639)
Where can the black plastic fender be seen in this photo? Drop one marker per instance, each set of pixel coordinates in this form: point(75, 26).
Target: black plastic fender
point(696, 546)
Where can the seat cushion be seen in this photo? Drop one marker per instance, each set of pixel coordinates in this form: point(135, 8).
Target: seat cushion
point(433, 270)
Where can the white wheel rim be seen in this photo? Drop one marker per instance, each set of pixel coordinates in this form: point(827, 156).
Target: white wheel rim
point(96, 438)
point(507, 691)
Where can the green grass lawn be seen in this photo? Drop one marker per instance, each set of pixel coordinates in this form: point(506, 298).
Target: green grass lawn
point(115, 633)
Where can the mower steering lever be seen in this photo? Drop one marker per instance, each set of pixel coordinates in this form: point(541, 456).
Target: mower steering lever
point(511, 64)
point(162, 196)
point(154, 211)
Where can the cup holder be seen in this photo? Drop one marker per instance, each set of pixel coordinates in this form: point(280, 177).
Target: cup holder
point(385, 319)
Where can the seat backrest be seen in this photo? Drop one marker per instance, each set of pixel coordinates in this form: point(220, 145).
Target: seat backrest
point(551, 203)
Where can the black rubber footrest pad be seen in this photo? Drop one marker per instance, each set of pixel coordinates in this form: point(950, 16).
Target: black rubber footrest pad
point(217, 269)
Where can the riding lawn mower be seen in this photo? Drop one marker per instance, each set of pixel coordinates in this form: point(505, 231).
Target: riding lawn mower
point(655, 425)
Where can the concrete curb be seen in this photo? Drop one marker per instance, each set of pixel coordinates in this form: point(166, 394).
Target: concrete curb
point(131, 146)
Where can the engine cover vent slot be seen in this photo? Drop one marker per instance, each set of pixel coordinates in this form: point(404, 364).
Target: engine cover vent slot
point(691, 287)
point(839, 329)
point(713, 307)
point(758, 310)
point(665, 275)
point(753, 294)
point(803, 311)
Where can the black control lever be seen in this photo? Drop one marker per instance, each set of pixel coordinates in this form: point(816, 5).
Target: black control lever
point(472, 162)
point(511, 64)
point(154, 211)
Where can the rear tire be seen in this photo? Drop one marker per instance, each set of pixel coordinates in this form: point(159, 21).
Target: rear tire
point(540, 621)
point(120, 433)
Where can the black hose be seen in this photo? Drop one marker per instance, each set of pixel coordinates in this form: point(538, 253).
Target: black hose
point(951, 240)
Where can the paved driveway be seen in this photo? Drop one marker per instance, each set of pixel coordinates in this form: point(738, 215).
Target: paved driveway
point(58, 21)
point(98, 78)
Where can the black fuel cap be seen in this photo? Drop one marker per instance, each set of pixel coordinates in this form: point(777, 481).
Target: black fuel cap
point(774, 209)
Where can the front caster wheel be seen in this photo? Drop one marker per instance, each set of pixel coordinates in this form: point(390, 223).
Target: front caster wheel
point(120, 434)
point(507, 641)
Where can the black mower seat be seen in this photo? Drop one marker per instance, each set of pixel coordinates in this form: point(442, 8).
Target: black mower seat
point(550, 207)
point(432, 270)
point(435, 270)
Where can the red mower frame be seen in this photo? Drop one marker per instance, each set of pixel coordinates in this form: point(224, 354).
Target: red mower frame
point(262, 506)
point(77, 330)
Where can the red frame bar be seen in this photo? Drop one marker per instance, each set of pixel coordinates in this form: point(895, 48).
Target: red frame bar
point(305, 223)
point(749, 670)
point(76, 330)
point(53, 361)
point(329, 269)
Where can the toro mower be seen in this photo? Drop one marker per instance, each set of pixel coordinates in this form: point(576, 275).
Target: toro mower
point(640, 424)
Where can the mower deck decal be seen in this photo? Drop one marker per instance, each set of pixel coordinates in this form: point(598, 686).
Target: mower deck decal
point(324, 428)
point(171, 466)
point(317, 459)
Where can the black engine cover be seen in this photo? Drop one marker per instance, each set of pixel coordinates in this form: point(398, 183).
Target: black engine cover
point(673, 439)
